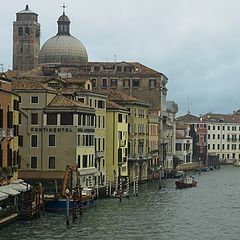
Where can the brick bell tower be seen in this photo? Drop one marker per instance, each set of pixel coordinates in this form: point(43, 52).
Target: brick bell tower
point(26, 40)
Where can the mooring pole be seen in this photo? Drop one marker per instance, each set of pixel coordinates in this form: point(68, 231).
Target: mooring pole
point(67, 206)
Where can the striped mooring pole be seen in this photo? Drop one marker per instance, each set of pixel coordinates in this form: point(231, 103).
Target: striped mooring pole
point(107, 186)
point(136, 186)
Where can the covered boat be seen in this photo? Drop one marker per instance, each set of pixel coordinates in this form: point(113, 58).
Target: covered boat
point(186, 183)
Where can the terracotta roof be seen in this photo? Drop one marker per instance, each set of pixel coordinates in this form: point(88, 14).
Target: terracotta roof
point(117, 95)
point(188, 118)
point(218, 117)
point(23, 84)
point(61, 101)
point(113, 105)
point(138, 68)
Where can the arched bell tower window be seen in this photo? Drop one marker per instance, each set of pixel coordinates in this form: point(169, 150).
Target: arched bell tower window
point(26, 31)
point(20, 31)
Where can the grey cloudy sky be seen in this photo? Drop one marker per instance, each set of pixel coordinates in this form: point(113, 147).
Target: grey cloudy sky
point(194, 43)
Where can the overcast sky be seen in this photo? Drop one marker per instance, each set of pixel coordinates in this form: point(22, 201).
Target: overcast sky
point(196, 44)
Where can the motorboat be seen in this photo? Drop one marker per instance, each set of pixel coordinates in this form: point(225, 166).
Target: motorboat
point(186, 183)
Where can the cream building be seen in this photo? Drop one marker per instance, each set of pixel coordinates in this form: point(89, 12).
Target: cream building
point(184, 143)
point(56, 132)
point(223, 136)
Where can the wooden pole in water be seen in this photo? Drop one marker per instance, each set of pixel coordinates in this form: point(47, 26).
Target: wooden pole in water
point(160, 179)
point(107, 187)
point(136, 185)
point(81, 203)
point(67, 206)
point(120, 190)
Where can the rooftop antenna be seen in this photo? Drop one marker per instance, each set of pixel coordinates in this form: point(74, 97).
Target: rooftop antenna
point(230, 105)
point(188, 105)
point(115, 57)
point(64, 8)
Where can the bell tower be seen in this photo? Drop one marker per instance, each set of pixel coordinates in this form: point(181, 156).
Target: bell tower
point(26, 40)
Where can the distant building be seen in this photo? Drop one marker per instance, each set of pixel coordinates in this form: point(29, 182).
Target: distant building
point(26, 40)
point(183, 144)
point(223, 136)
point(9, 130)
point(198, 132)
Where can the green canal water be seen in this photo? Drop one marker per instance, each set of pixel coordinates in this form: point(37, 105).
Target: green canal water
point(209, 211)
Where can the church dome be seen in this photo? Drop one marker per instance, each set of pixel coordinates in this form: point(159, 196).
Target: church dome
point(63, 49)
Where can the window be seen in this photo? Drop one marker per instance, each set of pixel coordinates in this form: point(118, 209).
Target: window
point(34, 118)
point(66, 119)
point(96, 69)
point(228, 128)
point(135, 83)
point(209, 127)
point(94, 83)
point(15, 105)
point(51, 119)
point(34, 141)
point(84, 161)
point(26, 31)
point(51, 162)
point(103, 122)
point(213, 146)
point(213, 127)
point(119, 117)
point(20, 141)
point(20, 31)
point(19, 118)
point(51, 140)
point(223, 146)
point(104, 82)
point(101, 104)
point(119, 68)
point(152, 83)
point(208, 136)
point(33, 162)
point(113, 83)
point(103, 144)
point(218, 136)
point(34, 99)
point(99, 121)
point(223, 127)
point(218, 146)
point(127, 69)
point(126, 83)
point(213, 136)
point(178, 147)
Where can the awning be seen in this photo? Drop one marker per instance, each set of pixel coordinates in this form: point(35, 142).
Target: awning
point(8, 190)
point(3, 196)
point(20, 186)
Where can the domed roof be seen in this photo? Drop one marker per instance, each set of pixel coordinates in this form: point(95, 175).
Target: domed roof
point(63, 18)
point(63, 48)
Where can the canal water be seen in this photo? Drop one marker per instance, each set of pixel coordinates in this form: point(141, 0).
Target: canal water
point(209, 211)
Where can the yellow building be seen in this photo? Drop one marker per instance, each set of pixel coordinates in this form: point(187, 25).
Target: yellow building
point(117, 139)
point(9, 127)
point(138, 157)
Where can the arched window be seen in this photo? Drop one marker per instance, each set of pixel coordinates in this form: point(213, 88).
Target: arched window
point(20, 31)
point(26, 31)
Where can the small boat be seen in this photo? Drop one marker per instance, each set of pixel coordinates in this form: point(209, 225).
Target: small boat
point(186, 183)
point(236, 163)
point(118, 195)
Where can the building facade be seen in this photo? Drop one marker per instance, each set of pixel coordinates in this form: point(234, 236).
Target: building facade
point(56, 132)
point(117, 142)
point(9, 130)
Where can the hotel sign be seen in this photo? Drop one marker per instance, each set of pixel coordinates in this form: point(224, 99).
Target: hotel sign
point(61, 129)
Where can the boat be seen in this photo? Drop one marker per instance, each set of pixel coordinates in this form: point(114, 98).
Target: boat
point(202, 169)
point(118, 195)
point(186, 183)
point(80, 197)
point(59, 203)
point(236, 163)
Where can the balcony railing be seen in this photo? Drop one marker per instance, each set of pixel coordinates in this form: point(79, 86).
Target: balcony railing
point(2, 133)
point(99, 154)
point(10, 133)
point(122, 143)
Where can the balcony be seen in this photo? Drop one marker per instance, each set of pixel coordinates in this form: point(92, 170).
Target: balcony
point(2, 133)
point(10, 133)
point(122, 143)
point(99, 154)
